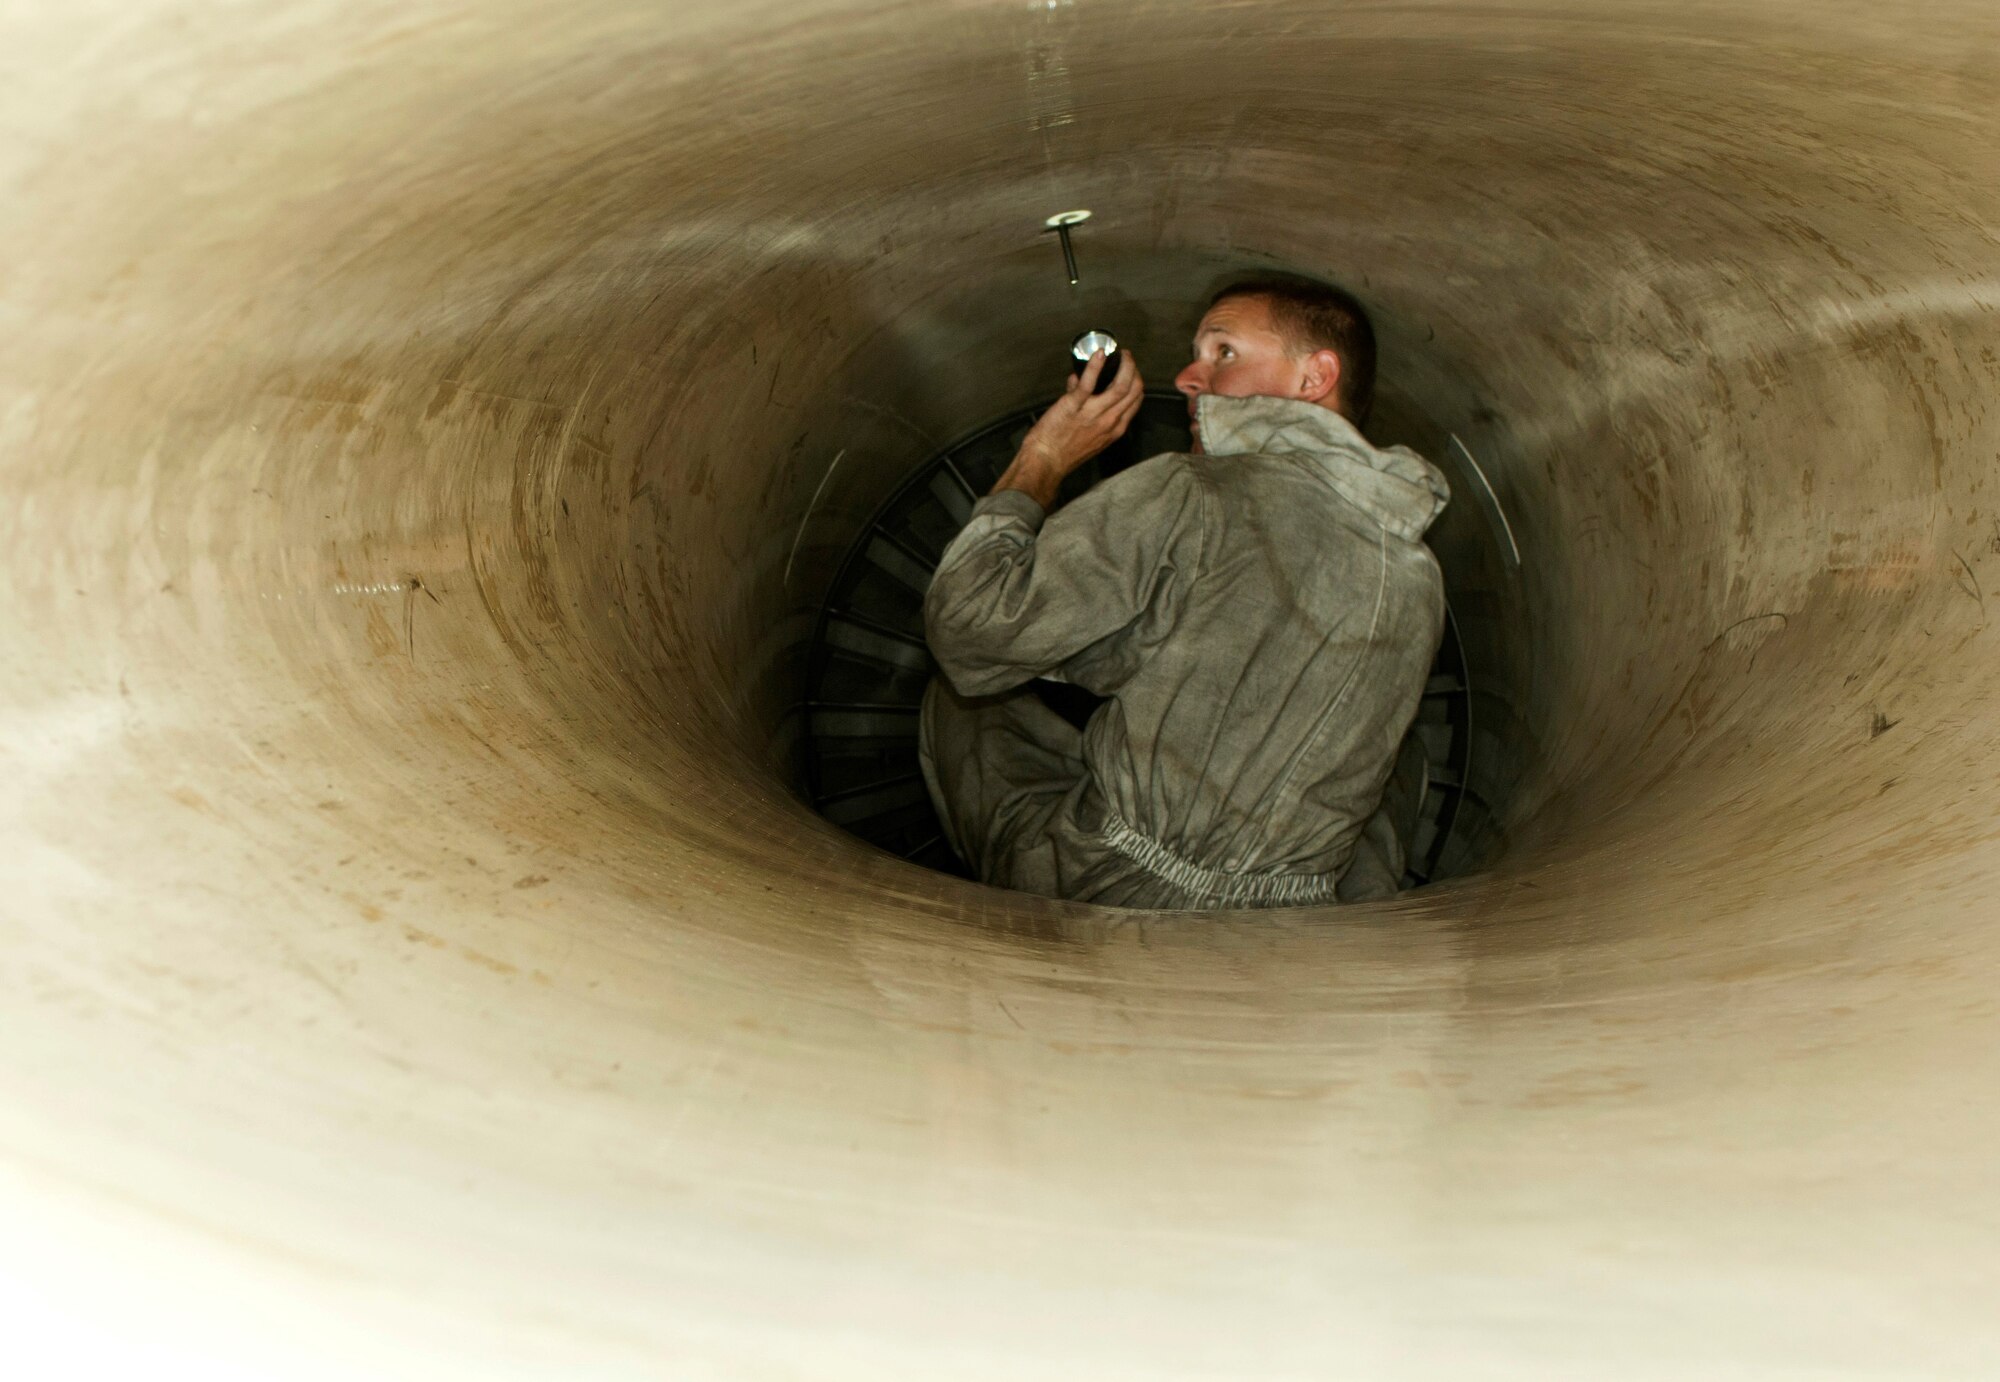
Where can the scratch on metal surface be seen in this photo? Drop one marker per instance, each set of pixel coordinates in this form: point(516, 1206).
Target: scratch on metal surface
point(799, 537)
point(1492, 501)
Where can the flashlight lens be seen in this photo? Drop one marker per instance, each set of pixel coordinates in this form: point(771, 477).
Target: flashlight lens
point(1088, 344)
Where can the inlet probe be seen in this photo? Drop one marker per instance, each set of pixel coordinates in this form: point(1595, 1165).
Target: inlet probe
point(1060, 224)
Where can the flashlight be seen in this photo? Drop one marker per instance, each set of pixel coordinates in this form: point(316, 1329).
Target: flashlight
point(1088, 344)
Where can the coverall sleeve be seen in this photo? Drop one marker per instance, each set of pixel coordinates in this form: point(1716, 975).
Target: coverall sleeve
point(1017, 592)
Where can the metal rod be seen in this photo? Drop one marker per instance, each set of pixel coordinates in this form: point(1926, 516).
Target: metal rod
point(1069, 253)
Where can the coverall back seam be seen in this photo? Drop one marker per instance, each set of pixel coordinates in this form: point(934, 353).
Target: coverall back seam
point(1374, 622)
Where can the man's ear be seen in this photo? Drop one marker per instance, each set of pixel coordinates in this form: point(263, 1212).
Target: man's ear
point(1319, 378)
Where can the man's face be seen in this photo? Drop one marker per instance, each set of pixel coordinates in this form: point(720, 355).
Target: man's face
point(1237, 354)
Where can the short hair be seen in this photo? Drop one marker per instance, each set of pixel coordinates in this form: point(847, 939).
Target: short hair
point(1316, 316)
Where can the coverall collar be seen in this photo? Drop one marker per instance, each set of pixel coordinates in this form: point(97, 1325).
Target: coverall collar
point(1396, 487)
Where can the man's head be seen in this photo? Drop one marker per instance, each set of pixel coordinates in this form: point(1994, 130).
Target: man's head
point(1285, 338)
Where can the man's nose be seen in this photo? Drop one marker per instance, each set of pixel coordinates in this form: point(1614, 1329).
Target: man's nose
point(1190, 381)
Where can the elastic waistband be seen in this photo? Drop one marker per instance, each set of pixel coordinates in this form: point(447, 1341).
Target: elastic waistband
point(1215, 887)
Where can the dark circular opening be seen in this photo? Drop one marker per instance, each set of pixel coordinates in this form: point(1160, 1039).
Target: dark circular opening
point(868, 664)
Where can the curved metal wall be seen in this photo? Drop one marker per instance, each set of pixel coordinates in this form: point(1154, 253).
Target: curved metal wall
point(426, 429)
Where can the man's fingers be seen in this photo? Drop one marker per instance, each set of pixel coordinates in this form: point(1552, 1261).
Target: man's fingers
point(1129, 411)
point(1117, 391)
point(1126, 382)
point(1123, 399)
point(1128, 378)
point(1083, 421)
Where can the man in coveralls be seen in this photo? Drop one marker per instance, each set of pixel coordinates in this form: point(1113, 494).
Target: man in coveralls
point(1261, 613)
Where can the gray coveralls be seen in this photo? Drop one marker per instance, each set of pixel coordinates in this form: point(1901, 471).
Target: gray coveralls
point(1263, 619)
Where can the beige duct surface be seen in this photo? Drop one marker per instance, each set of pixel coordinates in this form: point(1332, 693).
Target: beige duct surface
point(426, 429)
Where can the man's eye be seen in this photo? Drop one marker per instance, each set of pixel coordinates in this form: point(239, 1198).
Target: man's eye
point(1224, 352)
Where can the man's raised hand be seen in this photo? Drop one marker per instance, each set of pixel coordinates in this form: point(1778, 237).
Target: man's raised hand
point(1076, 427)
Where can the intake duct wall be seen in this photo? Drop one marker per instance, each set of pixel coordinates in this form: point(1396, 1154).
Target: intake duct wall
point(426, 433)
